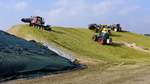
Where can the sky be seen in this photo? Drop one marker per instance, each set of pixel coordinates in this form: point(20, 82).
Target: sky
point(133, 15)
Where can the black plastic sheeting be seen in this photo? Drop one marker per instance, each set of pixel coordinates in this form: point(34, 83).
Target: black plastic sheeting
point(20, 56)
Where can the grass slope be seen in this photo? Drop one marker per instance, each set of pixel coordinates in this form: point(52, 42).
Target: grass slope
point(79, 41)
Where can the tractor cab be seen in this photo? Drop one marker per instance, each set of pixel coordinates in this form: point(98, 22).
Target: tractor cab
point(105, 28)
point(37, 20)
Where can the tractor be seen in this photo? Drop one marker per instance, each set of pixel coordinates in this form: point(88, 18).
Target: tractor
point(104, 26)
point(99, 28)
point(37, 21)
point(103, 37)
point(93, 27)
point(116, 27)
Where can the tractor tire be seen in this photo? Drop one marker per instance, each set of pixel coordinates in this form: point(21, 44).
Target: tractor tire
point(95, 38)
point(47, 28)
point(92, 26)
point(120, 29)
point(31, 25)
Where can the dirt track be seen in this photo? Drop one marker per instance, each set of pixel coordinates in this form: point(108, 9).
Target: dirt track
point(134, 46)
point(125, 74)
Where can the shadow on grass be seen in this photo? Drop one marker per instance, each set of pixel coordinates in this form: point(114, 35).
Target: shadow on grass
point(114, 44)
point(124, 31)
point(59, 32)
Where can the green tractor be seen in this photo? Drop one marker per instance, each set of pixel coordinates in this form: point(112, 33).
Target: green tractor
point(103, 37)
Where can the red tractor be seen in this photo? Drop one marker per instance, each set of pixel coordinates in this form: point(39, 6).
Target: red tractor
point(37, 21)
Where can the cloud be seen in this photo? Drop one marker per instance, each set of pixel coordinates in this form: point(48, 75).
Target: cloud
point(16, 5)
point(21, 6)
point(106, 6)
point(79, 11)
point(81, 6)
point(129, 10)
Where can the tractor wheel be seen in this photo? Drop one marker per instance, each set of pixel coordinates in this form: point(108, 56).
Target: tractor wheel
point(120, 29)
point(48, 28)
point(31, 25)
point(94, 38)
point(92, 26)
point(109, 32)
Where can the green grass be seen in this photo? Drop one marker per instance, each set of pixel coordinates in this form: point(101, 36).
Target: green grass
point(140, 40)
point(79, 41)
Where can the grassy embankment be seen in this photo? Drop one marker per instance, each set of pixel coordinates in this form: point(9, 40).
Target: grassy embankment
point(79, 41)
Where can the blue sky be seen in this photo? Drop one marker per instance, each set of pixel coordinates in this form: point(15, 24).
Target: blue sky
point(134, 15)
